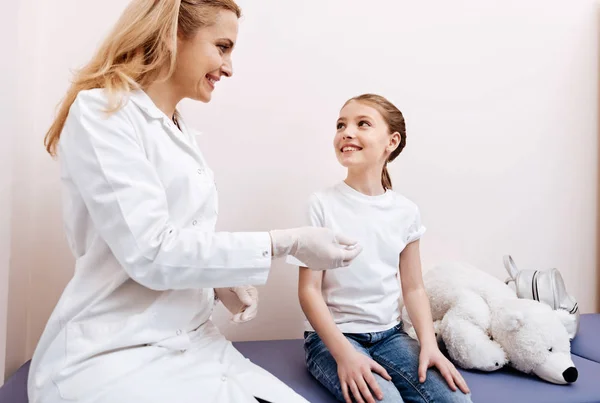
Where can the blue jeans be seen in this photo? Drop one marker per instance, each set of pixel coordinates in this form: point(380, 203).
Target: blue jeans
point(395, 351)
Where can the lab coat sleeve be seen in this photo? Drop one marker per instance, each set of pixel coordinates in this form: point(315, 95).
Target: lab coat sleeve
point(128, 206)
point(314, 218)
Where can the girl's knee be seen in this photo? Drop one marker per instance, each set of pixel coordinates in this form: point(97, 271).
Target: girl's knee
point(454, 397)
point(436, 389)
point(389, 390)
point(463, 398)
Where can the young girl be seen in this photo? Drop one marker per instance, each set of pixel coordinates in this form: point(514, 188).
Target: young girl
point(354, 342)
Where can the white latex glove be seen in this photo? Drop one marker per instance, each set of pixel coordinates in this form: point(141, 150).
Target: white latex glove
point(317, 247)
point(241, 301)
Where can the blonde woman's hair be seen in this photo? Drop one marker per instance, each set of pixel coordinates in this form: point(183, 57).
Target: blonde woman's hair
point(395, 122)
point(141, 46)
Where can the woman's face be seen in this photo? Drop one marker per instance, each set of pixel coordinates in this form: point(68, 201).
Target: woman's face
point(205, 57)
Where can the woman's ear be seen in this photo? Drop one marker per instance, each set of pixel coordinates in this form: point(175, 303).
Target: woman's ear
point(394, 142)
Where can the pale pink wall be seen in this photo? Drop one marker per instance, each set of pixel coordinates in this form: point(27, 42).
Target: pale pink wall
point(501, 106)
point(24, 110)
point(8, 77)
point(5, 218)
point(500, 99)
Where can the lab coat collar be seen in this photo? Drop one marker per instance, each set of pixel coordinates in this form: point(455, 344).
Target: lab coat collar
point(145, 103)
point(182, 137)
point(186, 129)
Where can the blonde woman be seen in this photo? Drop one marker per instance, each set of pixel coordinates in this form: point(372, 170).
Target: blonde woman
point(133, 324)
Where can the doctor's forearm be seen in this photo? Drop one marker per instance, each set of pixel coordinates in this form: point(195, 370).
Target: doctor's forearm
point(186, 259)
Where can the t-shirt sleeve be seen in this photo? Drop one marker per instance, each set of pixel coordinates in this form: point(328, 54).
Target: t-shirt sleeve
point(313, 218)
point(416, 230)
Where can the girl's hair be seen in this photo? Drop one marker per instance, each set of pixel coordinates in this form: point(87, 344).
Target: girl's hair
point(395, 122)
point(141, 46)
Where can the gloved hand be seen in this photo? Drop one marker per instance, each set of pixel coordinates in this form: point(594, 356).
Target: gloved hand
point(317, 247)
point(241, 301)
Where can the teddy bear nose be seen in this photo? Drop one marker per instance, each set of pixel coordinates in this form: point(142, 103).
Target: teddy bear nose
point(570, 374)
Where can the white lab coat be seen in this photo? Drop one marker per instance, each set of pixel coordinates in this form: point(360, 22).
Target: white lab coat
point(133, 325)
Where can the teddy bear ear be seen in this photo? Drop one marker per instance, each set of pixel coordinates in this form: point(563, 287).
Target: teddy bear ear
point(513, 320)
point(568, 320)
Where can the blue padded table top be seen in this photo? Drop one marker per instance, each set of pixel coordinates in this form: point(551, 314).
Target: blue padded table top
point(285, 359)
point(14, 389)
point(587, 342)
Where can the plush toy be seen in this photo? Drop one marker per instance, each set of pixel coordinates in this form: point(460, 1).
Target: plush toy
point(485, 326)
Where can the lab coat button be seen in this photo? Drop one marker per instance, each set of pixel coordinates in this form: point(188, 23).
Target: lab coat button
point(178, 332)
point(266, 253)
point(224, 378)
point(194, 222)
point(200, 171)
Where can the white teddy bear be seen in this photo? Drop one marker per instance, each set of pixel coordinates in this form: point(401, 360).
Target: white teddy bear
point(485, 326)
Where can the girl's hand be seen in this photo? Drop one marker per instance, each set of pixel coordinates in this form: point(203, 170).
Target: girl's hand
point(433, 357)
point(355, 373)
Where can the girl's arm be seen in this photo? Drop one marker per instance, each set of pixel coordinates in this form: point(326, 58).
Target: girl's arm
point(354, 368)
point(414, 295)
point(419, 310)
point(317, 313)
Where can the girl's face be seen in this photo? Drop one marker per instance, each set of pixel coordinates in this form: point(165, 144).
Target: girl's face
point(363, 139)
point(205, 57)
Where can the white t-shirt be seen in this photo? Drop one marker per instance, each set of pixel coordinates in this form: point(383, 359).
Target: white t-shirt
point(364, 297)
